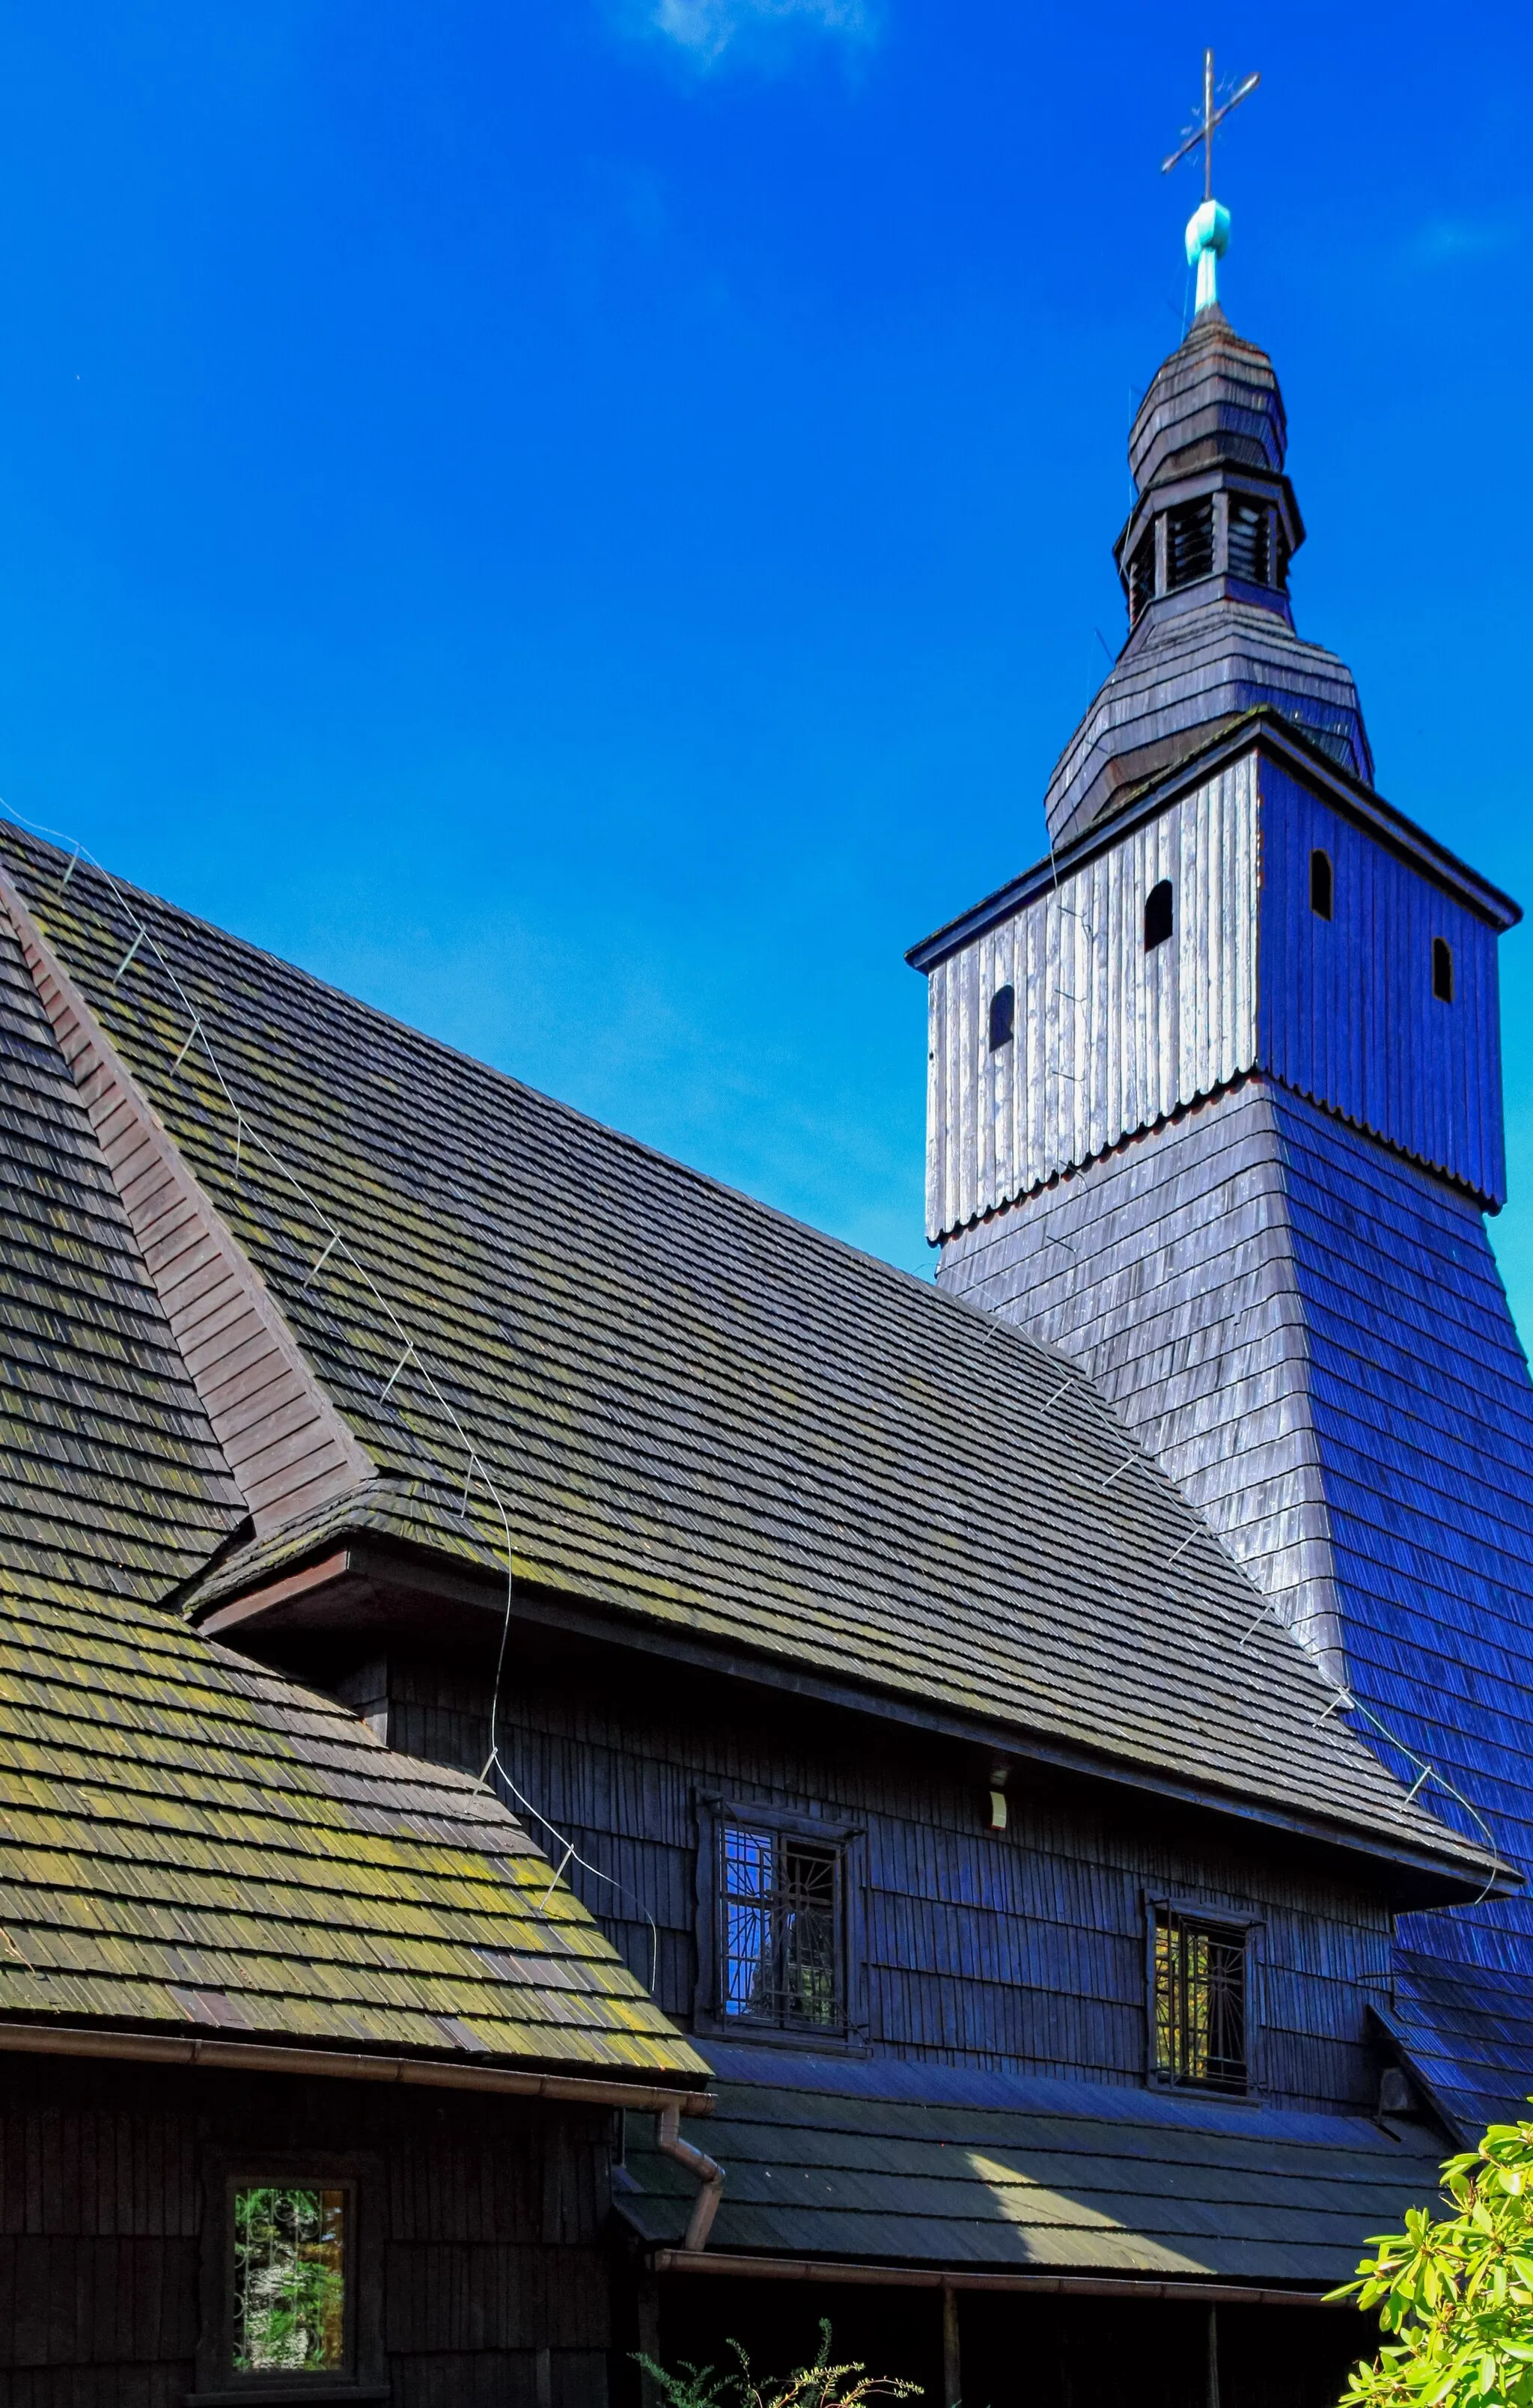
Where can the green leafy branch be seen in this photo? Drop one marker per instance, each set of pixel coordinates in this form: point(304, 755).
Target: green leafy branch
point(1456, 2289)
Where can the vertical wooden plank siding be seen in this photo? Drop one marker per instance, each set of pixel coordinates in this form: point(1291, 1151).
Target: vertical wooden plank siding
point(1109, 1038)
point(491, 2219)
point(1348, 1015)
point(1023, 1953)
point(285, 1444)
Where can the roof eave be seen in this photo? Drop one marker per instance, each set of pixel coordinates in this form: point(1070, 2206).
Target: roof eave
point(391, 1571)
point(1266, 728)
point(139, 2044)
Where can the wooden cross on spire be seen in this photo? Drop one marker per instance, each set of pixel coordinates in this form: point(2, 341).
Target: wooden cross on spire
point(1202, 128)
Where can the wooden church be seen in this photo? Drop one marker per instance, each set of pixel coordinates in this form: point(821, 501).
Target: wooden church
point(583, 1767)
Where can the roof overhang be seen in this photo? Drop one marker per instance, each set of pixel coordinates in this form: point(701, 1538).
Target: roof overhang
point(372, 1587)
point(749, 2267)
point(121, 2045)
point(1266, 729)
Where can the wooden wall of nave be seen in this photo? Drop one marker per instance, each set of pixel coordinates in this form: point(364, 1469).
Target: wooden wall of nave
point(495, 2231)
point(1024, 1952)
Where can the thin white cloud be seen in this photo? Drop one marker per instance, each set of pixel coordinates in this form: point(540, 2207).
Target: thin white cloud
point(706, 29)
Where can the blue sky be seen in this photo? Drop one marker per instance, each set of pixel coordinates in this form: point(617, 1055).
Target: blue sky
point(588, 522)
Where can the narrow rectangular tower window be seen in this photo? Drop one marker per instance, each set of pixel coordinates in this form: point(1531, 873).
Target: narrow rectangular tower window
point(1322, 885)
point(1442, 970)
point(1003, 1017)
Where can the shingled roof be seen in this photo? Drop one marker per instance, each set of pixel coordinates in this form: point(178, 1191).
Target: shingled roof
point(698, 1414)
point(188, 1842)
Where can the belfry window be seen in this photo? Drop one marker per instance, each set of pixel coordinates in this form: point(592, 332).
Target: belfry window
point(1250, 541)
point(1442, 970)
point(1141, 576)
point(1003, 1017)
point(1322, 884)
point(1189, 542)
point(1159, 916)
point(1198, 2002)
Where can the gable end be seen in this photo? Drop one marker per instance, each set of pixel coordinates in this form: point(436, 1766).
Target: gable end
point(286, 1446)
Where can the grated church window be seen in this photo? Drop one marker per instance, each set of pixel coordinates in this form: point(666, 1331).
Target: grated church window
point(779, 1930)
point(1322, 884)
point(1159, 916)
point(290, 2306)
point(1198, 2009)
point(1189, 542)
point(1442, 970)
point(1141, 576)
point(1250, 541)
point(1003, 1017)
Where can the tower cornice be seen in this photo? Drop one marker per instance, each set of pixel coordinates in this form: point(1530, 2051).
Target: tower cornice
point(1266, 728)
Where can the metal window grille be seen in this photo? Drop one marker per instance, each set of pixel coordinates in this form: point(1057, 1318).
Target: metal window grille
point(289, 2278)
point(1200, 2003)
point(1250, 541)
point(780, 1901)
point(1189, 542)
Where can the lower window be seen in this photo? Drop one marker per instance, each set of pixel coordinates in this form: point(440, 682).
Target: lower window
point(780, 1936)
point(1200, 2004)
point(292, 2279)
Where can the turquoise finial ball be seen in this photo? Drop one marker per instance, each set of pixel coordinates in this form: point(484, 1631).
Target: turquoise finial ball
point(1208, 229)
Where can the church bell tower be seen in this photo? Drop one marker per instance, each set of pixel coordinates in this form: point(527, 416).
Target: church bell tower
point(1214, 1105)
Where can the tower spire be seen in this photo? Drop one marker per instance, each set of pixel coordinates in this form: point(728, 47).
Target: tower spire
point(1207, 228)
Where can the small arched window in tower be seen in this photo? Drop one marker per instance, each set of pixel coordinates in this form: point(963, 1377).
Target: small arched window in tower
point(1442, 970)
point(1003, 1017)
point(1189, 542)
point(1141, 576)
point(1250, 541)
point(1160, 913)
point(1322, 884)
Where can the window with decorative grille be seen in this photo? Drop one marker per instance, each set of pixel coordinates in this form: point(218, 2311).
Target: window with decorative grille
point(1141, 576)
point(1250, 541)
point(1189, 542)
point(1200, 2004)
point(779, 1909)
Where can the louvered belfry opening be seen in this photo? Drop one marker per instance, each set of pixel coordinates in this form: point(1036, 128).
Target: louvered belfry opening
point(1189, 542)
point(1141, 576)
point(1250, 540)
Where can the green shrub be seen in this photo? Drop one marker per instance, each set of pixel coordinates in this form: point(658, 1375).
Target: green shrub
point(1456, 2291)
point(817, 2386)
